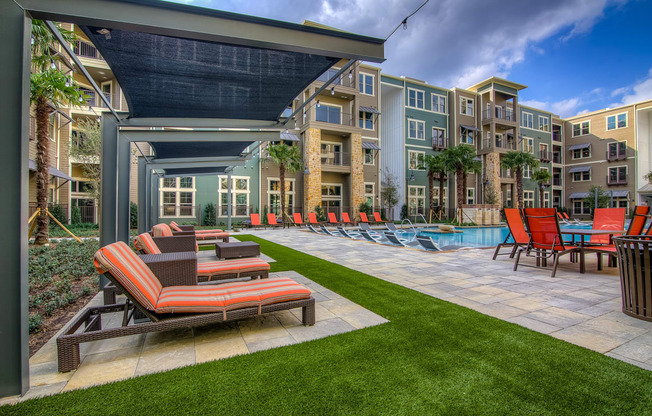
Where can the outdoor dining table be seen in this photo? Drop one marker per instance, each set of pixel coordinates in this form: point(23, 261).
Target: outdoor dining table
point(583, 232)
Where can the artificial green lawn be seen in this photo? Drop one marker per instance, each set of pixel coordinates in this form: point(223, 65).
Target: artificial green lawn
point(433, 357)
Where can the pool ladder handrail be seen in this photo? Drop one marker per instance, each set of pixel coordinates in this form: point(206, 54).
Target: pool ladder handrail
point(423, 218)
point(411, 225)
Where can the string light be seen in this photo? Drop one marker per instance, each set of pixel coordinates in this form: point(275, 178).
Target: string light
point(332, 90)
point(318, 105)
point(350, 74)
point(52, 64)
point(404, 24)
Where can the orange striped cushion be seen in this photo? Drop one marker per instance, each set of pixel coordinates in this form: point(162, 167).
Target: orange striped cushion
point(229, 296)
point(162, 230)
point(209, 231)
point(210, 236)
point(175, 226)
point(132, 273)
point(145, 243)
point(214, 268)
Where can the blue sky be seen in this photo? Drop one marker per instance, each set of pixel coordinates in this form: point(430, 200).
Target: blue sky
point(574, 55)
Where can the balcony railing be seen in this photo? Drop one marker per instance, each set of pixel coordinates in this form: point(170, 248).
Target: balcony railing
point(556, 158)
point(506, 174)
point(556, 181)
point(343, 80)
point(332, 117)
point(556, 136)
point(86, 50)
point(616, 155)
point(619, 180)
point(499, 143)
point(545, 156)
point(94, 100)
point(336, 159)
point(499, 113)
point(439, 143)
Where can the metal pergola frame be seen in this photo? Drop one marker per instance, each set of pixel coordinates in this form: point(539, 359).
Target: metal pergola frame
point(149, 16)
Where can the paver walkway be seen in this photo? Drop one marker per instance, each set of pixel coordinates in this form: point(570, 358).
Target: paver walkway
point(584, 309)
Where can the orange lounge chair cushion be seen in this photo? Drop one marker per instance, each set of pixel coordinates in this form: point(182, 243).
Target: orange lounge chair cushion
point(145, 243)
point(162, 230)
point(210, 236)
point(363, 217)
point(229, 296)
point(345, 218)
point(297, 218)
point(214, 268)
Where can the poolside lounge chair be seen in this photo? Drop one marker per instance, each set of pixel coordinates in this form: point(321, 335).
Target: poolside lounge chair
point(545, 237)
point(377, 238)
point(182, 306)
point(298, 221)
point(177, 227)
point(326, 230)
point(399, 241)
point(254, 221)
point(164, 230)
point(363, 218)
point(378, 219)
point(516, 232)
point(312, 219)
point(272, 221)
point(313, 229)
point(428, 243)
point(332, 219)
point(347, 234)
point(346, 219)
point(391, 227)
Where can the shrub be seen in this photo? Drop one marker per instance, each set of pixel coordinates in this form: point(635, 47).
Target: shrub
point(75, 215)
point(366, 208)
point(404, 212)
point(59, 213)
point(133, 215)
point(35, 322)
point(319, 213)
point(209, 214)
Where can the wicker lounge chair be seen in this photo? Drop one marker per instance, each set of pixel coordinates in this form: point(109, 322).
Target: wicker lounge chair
point(173, 307)
point(516, 232)
point(393, 238)
point(273, 221)
point(297, 219)
point(164, 230)
point(177, 227)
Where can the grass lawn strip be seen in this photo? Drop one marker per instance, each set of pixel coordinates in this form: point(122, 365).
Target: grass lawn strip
point(433, 357)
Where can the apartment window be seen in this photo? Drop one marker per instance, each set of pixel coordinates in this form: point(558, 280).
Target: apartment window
point(467, 136)
point(544, 123)
point(416, 129)
point(582, 153)
point(546, 199)
point(366, 120)
point(435, 194)
point(617, 121)
point(528, 145)
point(366, 84)
point(580, 129)
point(581, 208)
point(239, 196)
point(369, 193)
point(438, 137)
point(369, 157)
point(331, 154)
point(438, 103)
point(543, 151)
point(415, 160)
point(618, 175)
point(416, 200)
point(466, 106)
point(331, 197)
point(329, 114)
point(582, 176)
point(621, 203)
point(415, 98)
point(274, 194)
point(528, 199)
point(527, 172)
point(177, 196)
point(470, 196)
point(527, 120)
point(617, 150)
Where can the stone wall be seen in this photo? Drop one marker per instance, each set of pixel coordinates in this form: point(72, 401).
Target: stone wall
point(492, 170)
point(481, 214)
point(357, 173)
point(312, 159)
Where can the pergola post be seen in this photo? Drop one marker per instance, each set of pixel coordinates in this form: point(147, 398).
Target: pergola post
point(229, 202)
point(124, 173)
point(109, 189)
point(142, 194)
point(15, 30)
point(148, 200)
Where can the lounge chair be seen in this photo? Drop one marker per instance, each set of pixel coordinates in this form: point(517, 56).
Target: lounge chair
point(516, 232)
point(375, 238)
point(391, 227)
point(312, 219)
point(272, 221)
point(313, 229)
point(399, 241)
point(606, 219)
point(378, 219)
point(428, 243)
point(164, 230)
point(170, 244)
point(545, 237)
point(177, 227)
point(326, 230)
point(182, 306)
point(347, 234)
point(297, 219)
point(363, 218)
point(346, 219)
point(254, 221)
point(332, 219)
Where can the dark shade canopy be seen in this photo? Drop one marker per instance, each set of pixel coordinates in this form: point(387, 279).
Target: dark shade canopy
point(195, 171)
point(580, 169)
point(580, 146)
point(464, 126)
point(52, 171)
point(164, 76)
point(579, 195)
point(370, 145)
point(369, 110)
point(183, 150)
point(289, 137)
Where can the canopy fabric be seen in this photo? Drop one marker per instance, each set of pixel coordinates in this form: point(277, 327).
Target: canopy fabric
point(618, 194)
point(647, 188)
point(182, 150)
point(194, 171)
point(464, 126)
point(579, 195)
point(370, 145)
point(580, 146)
point(580, 169)
point(164, 76)
point(52, 171)
point(369, 110)
point(289, 137)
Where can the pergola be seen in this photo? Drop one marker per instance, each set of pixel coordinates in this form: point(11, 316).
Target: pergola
point(202, 86)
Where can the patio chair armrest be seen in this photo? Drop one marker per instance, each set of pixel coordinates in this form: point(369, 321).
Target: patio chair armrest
point(173, 269)
point(178, 233)
point(186, 228)
point(175, 244)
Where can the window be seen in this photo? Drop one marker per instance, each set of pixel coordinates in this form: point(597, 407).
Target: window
point(438, 103)
point(617, 121)
point(582, 153)
point(329, 114)
point(582, 176)
point(366, 120)
point(618, 175)
point(527, 120)
point(415, 98)
point(543, 151)
point(438, 137)
point(580, 129)
point(467, 136)
point(581, 208)
point(416, 200)
point(466, 106)
point(274, 195)
point(239, 196)
point(366, 84)
point(528, 199)
point(331, 197)
point(369, 157)
point(617, 150)
point(369, 193)
point(416, 129)
point(621, 203)
point(544, 123)
point(435, 194)
point(528, 145)
point(415, 160)
point(330, 73)
point(177, 197)
point(546, 199)
point(527, 172)
point(331, 154)
point(470, 196)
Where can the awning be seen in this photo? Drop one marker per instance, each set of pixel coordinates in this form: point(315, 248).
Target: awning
point(194, 171)
point(369, 110)
point(618, 194)
point(579, 195)
point(370, 145)
point(289, 137)
point(580, 146)
point(464, 126)
point(180, 150)
point(580, 169)
point(647, 188)
point(52, 171)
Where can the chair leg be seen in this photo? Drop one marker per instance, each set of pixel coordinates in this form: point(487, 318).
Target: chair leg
point(599, 261)
point(498, 247)
point(555, 262)
point(513, 253)
point(518, 257)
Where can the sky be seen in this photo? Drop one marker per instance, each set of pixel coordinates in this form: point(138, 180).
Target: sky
point(575, 56)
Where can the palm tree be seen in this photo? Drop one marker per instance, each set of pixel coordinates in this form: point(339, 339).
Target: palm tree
point(461, 159)
point(542, 177)
point(49, 88)
point(436, 166)
point(517, 161)
point(288, 158)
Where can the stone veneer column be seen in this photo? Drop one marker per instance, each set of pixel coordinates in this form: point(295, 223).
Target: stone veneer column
point(357, 173)
point(492, 167)
point(312, 159)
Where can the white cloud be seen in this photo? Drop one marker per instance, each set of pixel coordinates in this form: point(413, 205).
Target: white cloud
point(641, 91)
point(563, 108)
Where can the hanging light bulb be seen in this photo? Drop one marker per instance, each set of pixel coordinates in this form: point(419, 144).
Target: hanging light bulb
point(332, 90)
point(405, 24)
point(67, 84)
point(318, 105)
point(350, 74)
point(52, 64)
point(32, 41)
point(80, 99)
point(98, 119)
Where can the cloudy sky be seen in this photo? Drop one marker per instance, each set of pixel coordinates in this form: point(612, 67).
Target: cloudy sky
point(574, 55)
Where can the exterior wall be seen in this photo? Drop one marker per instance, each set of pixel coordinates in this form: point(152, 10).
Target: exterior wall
point(644, 147)
point(312, 181)
point(539, 137)
point(392, 155)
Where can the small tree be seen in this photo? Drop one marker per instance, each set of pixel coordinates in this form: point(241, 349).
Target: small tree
point(209, 214)
point(603, 198)
point(542, 178)
point(75, 215)
point(287, 158)
point(366, 208)
point(517, 161)
point(389, 192)
point(86, 147)
point(133, 215)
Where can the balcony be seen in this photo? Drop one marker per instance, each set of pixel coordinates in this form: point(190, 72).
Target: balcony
point(439, 143)
point(617, 155)
point(499, 144)
point(556, 157)
point(332, 115)
point(502, 117)
point(343, 80)
point(556, 181)
point(86, 50)
point(336, 162)
point(617, 179)
point(545, 156)
point(94, 100)
point(556, 136)
point(506, 174)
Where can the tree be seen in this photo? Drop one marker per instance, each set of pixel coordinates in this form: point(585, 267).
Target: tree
point(517, 161)
point(288, 158)
point(603, 198)
point(436, 166)
point(389, 192)
point(86, 147)
point(461, 159)
point(50, 88)
point(542, 178)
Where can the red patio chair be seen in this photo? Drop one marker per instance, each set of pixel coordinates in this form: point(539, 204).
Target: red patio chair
point(312, 219)
point(377, 218)
point(516, 231)
point(607, 219)
point(545, 236)
point(273, 221)
point(363, 218)
point(346, 219)
point(297, 219)
point(255, 221)
point(332, 219)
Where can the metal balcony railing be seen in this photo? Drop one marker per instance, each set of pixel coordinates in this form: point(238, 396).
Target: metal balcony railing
point(499, 113)
point(94, 100)
point(556, 136)
point(439, 143)
point(336, 159)
point(325, 115)
point(499, 143)
point(86, 50)
point(556, 181)
point(545, 156)
point(344, 80)
point(556, 158)
point(506, 174)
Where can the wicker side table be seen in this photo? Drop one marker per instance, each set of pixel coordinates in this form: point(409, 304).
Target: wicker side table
point(237, 249)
